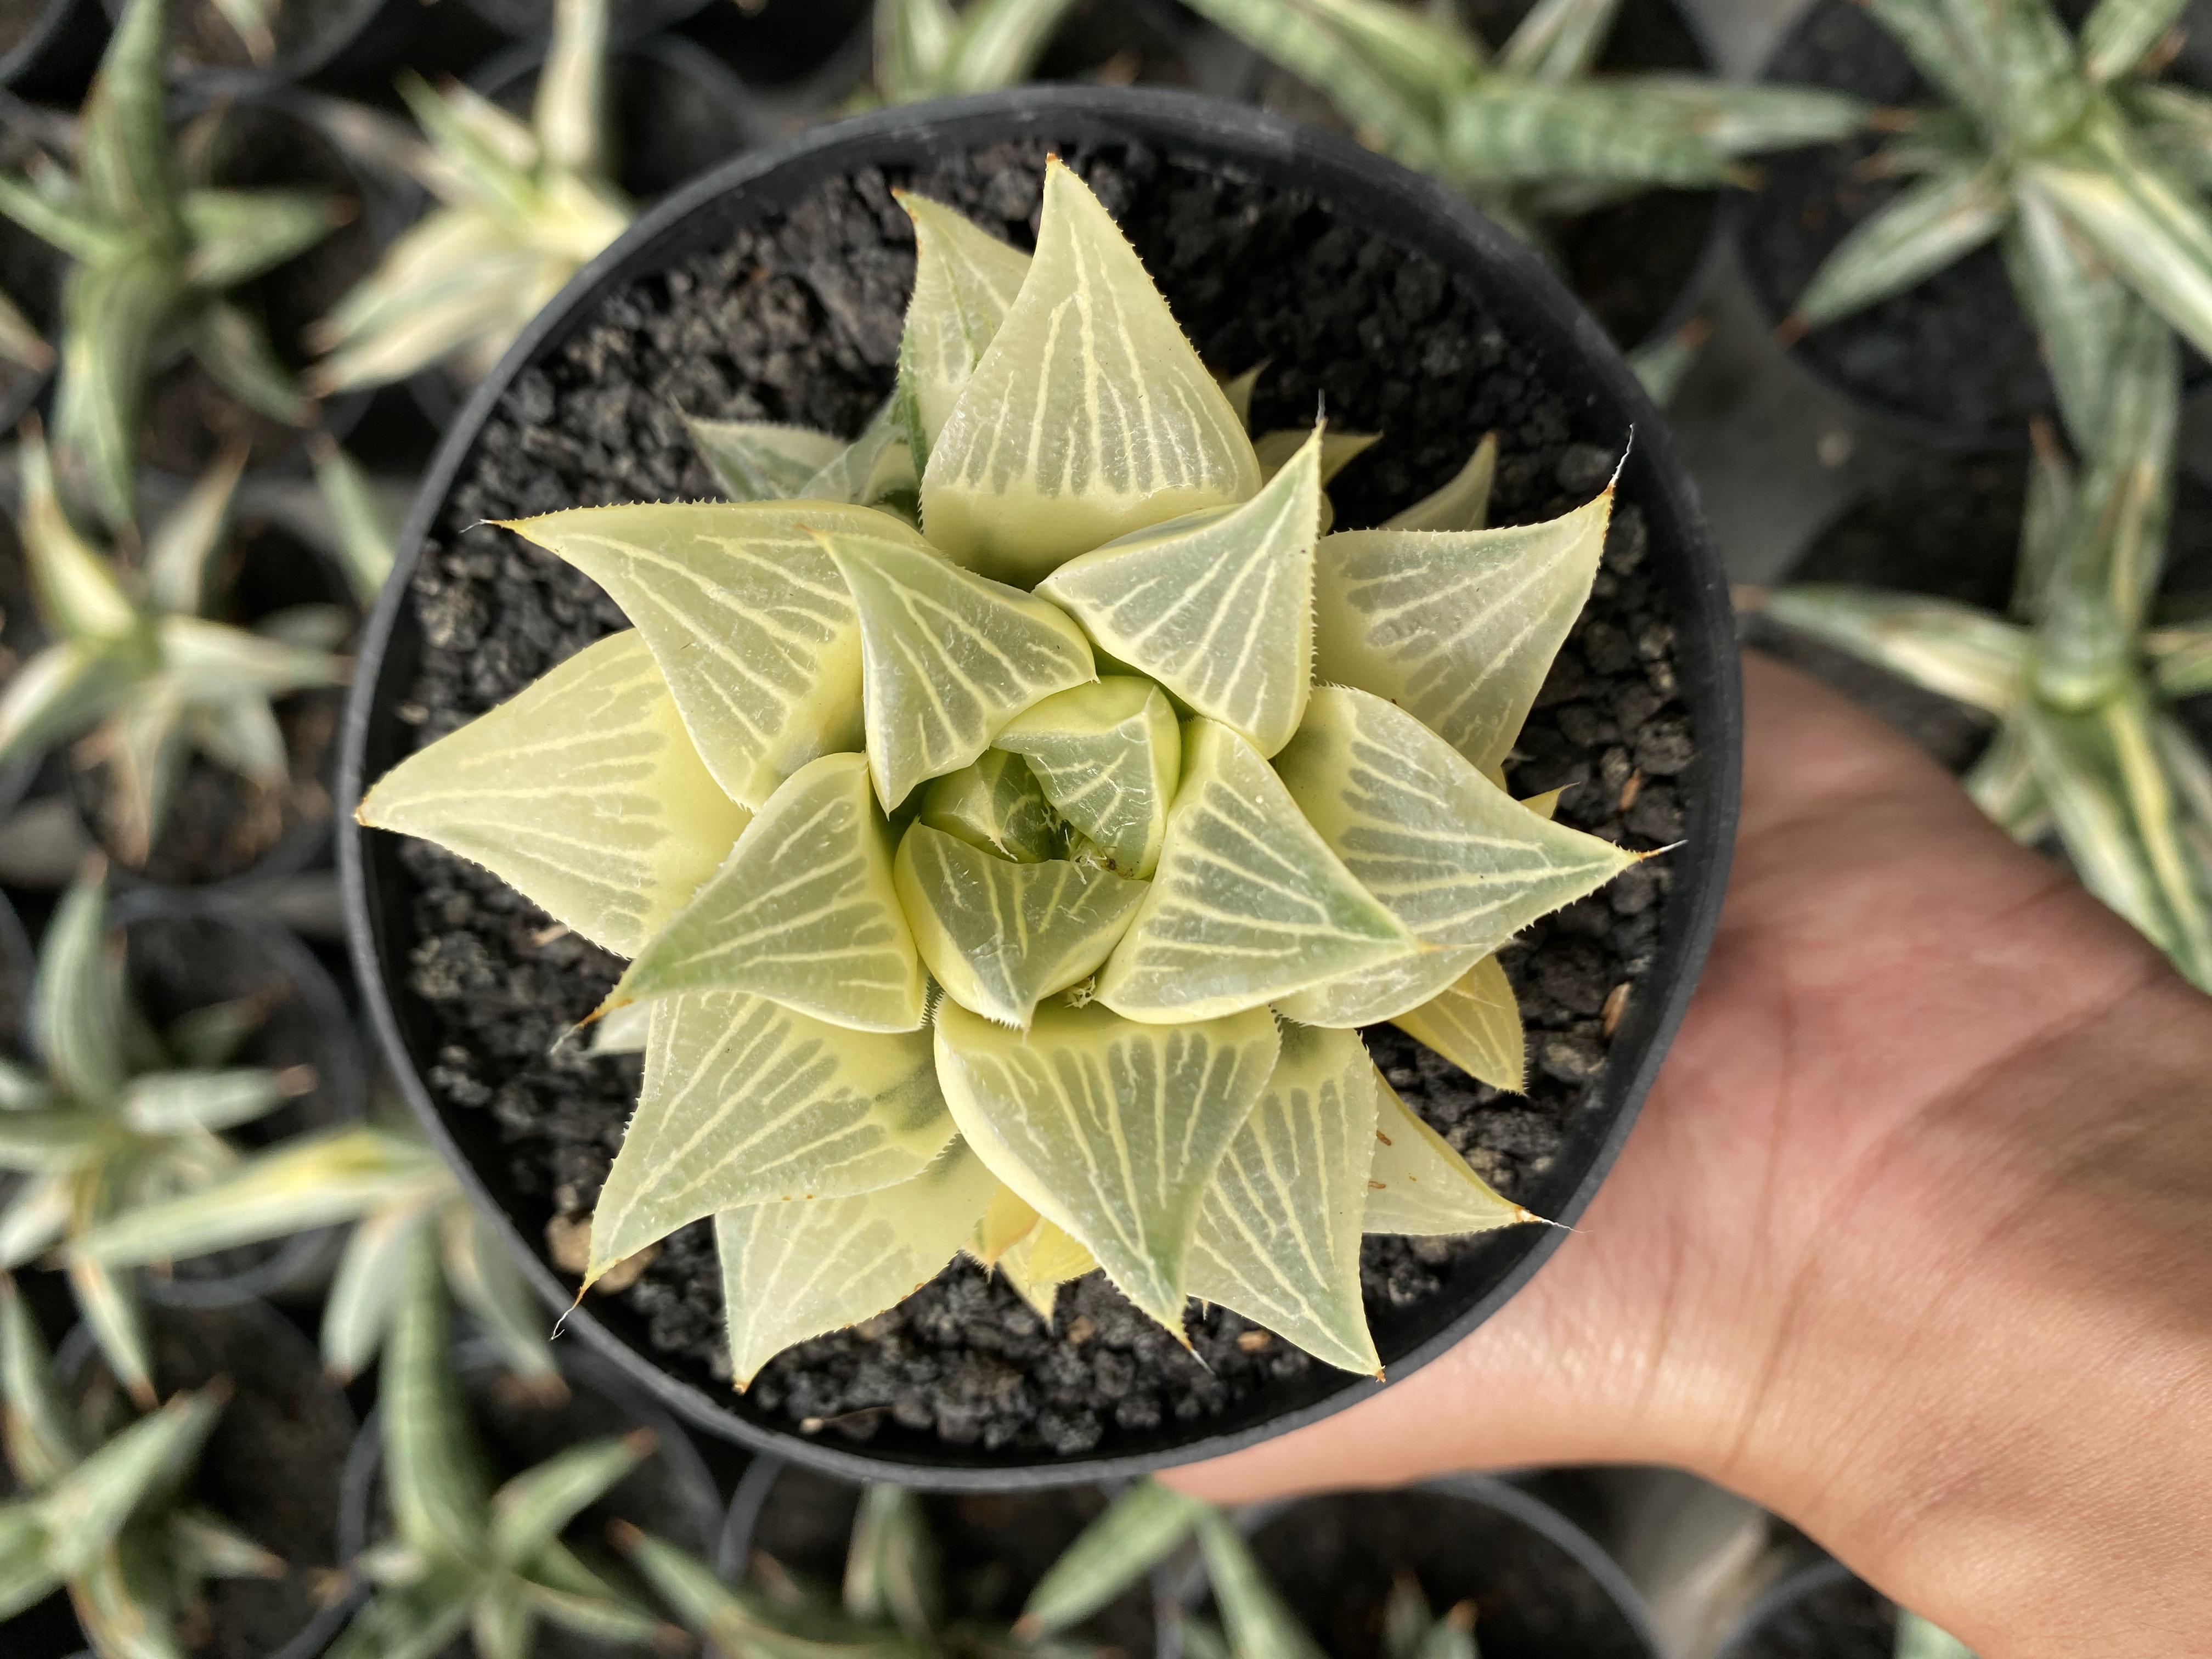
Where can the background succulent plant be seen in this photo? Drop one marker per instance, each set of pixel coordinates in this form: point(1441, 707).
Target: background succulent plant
point(156, 251)
point(119, 1115)
point(137, 660)
point(1918, 1639)
point(834, 760)
point(2067, 150)
point(522, 207)
point(1531, 133)
point(933, 49)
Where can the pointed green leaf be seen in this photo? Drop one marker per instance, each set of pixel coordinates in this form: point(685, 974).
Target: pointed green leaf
point(2181, 660)
point(414, 1621)
point(570, 116)
point(2125, 499)
point(1000, 42)
point(1112, 1130)
point(1088, 416)
point(753, 629)
point(79, 591)
point(2076, 304)
point(949, 658)
point(802, 912)
point(534, 1508)
point(365, 1289)
point(25, 1580)
point(1952, 649)
point(995, 805)
point(1559, 39)
point(597, 1616)
point(368, 539)
point(1737, 120)
point(484, 1280)
point(1258, 1621)
point(33, 1217)
point(1937, 221)
point(792, 1271)
point(87, 1508)
point(54, 1139)
point(43, 1437)
point(433, 1466)
point(1218, 610)
point(914, 41)
point(1339, 450)
point(582, 791)
point(891, 1567)
point(1138, 1531)
point(1916, 1638)
point(1475, 1024)
point(1238, 390)
point(111, 314)
point(875, 470)
point(1370, 995)
point(1039, 1263)
point(124, 1600)
point(206, 659)
point(56, 695)
point(747, 1102)
point(125, 152)
point(502, 1624)
point(1249, 902)
point(1108, 757)
point(1516, 132)
point(178, 1103)
point(203, 1545)
point(760, 461)
point(1462, 502)
point(179, 554)
point(109, 1306)
point(1418, 1185)
point(1000, 937)
point(1278, 1237)
point(2156, 236)
point(77, 1013)
point(231, 343)
point(237, 234)
point(1457, 628)
point(964, 283)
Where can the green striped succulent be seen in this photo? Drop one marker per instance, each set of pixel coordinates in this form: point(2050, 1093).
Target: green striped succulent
point(2081, 676)
point(1066, 758)
point(933, 49)
point(1531, 134)
point(157, 249)
point(2069, 152)
point(100, 1512)
point(135, 660)
point(462, 1556)
point(520, 208)
point(117, 1115)
point(1916, 1638)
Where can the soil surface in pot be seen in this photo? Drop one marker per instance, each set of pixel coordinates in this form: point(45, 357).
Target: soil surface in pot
point(190, 419)
point(202, 38)
point(30, 269)
point(1333, 1559)
point(221, 824)
point(1954, 349)
point(996, 1547)
point(1844, 1619)
point(271, 1466)
point(797, 319)
point(1630, 262)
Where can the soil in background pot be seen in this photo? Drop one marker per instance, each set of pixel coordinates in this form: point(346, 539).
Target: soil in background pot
point(996, 1547)
point(1630, 264)
point(190, 419)
point(31, 275)
point(220, 824)
point(1333, 1560)
point(797, 319)
point(1836, 1617)
point(270, 1467)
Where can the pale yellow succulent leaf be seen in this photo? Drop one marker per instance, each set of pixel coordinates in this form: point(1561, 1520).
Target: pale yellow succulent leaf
point(948, 657)
point(1043, 1261)
point(1238, 390)
point(1111, 1130)
point(1218, 608)
point(1278, 1239)
point(1107, 756)
point(1338, 450)
point(1372, 995)
point(802, 912)
point(1249, 902)
point(875, 470)
point(996, 804)
point(964, 283)
point(1454, 857)
point(753, 629)
point(792, 1271)
point(1008, 1220)
point(1000, 937)
point(1475, 1023)
point(1419, 1185)
point(1088, 416)
point(759, 460)
point(582, 791)
point(745, 1102)
point(1461, 502)
point(1458, 628)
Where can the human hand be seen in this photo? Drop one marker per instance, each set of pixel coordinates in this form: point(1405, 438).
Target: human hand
point(1910, 1244)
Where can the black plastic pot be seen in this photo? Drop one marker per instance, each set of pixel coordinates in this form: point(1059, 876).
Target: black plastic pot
point(267, 1469)
point(655, 85)
point(363, 37)
point(56, 56)
point(529, 20)
point(803, 1521)
point(1566, 348)
point(805, 56)
point(1542, 1588)
point(1822, 1611)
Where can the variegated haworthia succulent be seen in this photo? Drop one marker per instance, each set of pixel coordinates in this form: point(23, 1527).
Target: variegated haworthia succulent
point(1916, 1638)
point(100, 1511)
point(116, 1114)
point(2068, 151)
point(138, 662)
point(156, 251)
point(520, 208)
point(1531, 134)
point(462, 1557)
point(2080, 677)
point(1061, 751)
point(934, 49)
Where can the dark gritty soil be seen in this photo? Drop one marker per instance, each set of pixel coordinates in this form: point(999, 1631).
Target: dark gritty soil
point(190, 419)
point(220, 825)
point(30, 275)
point(1842, 1619)
point(1333, 1560)
point(996, 1547)
point(270, 1466)
point(1955, 350)
point(200, 37)
point(1630, 262)
point(798, 320)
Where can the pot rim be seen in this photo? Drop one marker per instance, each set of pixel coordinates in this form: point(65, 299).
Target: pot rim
point(1792, 1587)
point(1239, 142)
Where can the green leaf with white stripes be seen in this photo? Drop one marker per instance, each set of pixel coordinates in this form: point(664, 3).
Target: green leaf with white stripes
point(760, 461)
point(1936, 221)
point(1418, 1185)
point(964, 283)
point(434, 1474)
point(1108, 757)
point(997, 805)
point(2118, 33)
point(745, 1102)
point(583, 792)
point(1139, 1530)
point(1952, 649)
point(1461, 501)
point(1475, 1023)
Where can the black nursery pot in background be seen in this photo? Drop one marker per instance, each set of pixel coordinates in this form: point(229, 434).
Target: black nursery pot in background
point(48, 47)
point(1820, 1613)
point(324, 39)
point(774, 289)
